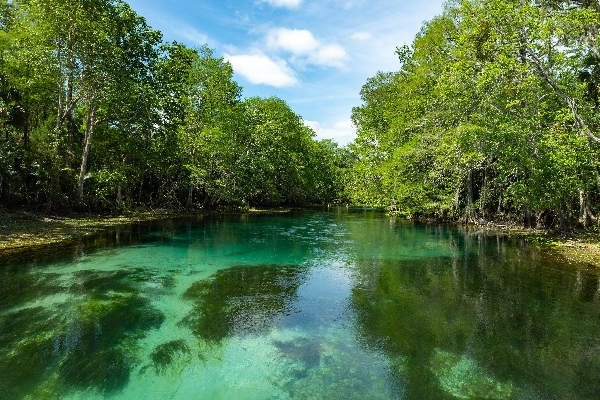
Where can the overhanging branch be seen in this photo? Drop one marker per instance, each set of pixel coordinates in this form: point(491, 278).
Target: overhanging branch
point(570, 102)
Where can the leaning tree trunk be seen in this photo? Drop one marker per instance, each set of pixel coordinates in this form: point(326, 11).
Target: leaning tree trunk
point(89, 133)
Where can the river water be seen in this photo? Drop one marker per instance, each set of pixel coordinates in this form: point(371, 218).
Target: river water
point(312, 304)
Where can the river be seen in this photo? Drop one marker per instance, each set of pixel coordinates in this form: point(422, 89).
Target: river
point(312, 304)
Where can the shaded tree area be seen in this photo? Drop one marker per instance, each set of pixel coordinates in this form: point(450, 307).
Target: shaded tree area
point(493, 115)
point(97, 112)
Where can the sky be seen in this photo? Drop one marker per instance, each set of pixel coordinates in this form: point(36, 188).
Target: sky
point(313, 54)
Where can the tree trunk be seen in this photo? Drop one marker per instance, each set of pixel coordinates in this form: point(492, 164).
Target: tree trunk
point(470, 214)
point(483, 194)
point(89, 133)
point(585, 209)
point(457, 196)
point(564, 217)
point(26, 130)
point(69, 99)
point(190, 197)
point(120, 195)
point(499, 210)
point(60, 86)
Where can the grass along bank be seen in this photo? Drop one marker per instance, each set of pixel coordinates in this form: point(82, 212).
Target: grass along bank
point(21, 230)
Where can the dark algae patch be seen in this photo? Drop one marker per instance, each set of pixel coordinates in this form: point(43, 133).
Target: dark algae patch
point(87, 342)
point(165, 354)
point(241, 300)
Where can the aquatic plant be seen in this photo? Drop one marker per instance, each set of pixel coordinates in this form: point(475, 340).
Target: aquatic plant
point(19, 287)
point(94, 340)
point(241, 299)
point(164, 354)
point(85, 342)
point(26, 350)
point(463, 378)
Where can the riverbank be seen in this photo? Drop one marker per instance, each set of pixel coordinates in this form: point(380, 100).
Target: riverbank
point(22, 230)
point(25, 230)
point(577, 248)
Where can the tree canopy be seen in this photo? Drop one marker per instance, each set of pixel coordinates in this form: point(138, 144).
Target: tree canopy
point(97, 111)
point(493, 114)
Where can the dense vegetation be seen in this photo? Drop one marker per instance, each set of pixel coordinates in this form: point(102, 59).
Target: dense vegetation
point(97, 112)
point(492, 116)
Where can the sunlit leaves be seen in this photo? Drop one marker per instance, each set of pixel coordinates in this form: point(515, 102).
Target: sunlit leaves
point(481, 113)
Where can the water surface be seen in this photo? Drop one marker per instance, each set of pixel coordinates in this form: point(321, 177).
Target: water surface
point(330, 304)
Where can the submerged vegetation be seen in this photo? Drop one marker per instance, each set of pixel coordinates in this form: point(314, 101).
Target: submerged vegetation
point(165, 354)
point(88, 343)
point(487, 324)
point(241, 300)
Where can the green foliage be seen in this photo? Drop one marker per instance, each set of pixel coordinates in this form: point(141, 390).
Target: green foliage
point(492, 115)
point(96, 111)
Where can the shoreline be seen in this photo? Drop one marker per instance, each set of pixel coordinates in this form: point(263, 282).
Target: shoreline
point(21, 231)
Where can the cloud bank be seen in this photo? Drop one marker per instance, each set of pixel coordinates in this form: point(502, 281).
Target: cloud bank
point(260, 69)
point(304, 47)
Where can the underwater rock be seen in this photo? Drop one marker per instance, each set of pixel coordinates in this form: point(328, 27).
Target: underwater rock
point(461, 377)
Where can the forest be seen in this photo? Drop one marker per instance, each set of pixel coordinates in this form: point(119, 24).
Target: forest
point(492, 116)
point(97, 112)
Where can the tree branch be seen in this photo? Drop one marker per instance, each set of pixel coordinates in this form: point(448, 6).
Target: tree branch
point(570, 102)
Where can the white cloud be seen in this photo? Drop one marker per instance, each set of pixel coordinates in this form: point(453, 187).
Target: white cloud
point(305, 48)
point(295, 41)
point(260, 69)
point(341, 132)
point(331, 55)
point(362, 36)
point(284, 3)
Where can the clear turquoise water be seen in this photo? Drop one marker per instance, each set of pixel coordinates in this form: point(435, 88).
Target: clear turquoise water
point(314, 304)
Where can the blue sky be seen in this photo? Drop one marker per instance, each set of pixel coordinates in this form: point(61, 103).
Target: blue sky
point(314, 54)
